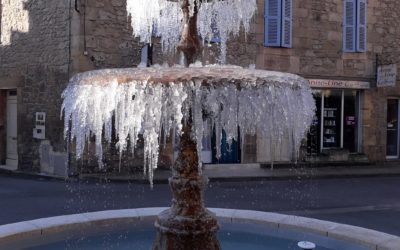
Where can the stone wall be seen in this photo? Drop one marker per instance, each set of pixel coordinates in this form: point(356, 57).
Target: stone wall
point(43, 43)
point(317, 53)
point(317, 44)
point(384, 34)
point(106, 35)
point(34, 59)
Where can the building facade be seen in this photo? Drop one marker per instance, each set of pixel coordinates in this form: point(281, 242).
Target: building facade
point(338, 45)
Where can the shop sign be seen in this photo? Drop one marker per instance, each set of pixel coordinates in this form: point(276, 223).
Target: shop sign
point(338, 84)
point(387, 75)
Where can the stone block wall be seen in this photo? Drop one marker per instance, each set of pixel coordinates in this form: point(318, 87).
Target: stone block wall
point(317, 44)
point(385, 35)
point(104, 36)
point(317, 53)
point(34, 59)
point(43, 43)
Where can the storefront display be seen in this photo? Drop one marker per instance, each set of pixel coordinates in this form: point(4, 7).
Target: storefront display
point(336, 122)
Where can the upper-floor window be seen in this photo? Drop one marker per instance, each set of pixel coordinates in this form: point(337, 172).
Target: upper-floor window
point(355, 26)
point(278, 23)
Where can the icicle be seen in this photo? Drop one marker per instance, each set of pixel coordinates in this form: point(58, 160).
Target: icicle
point(273, 105)
point(163, 18)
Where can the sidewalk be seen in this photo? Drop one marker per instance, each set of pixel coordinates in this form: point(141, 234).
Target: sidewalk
point(242, 172)
point(249, 172)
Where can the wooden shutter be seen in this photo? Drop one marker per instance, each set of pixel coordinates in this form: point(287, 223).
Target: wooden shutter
point(272, 23)
point(361, 25)
point(287, 23)
point(349, 25)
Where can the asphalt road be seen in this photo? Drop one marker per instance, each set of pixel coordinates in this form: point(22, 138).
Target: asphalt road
point(368, 202)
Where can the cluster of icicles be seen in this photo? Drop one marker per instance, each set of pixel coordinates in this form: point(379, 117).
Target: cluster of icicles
point(216, 20)
point(271, 104)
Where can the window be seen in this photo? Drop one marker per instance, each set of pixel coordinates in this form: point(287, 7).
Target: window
point(355, 26)
point(337, 121)
point(278, 23)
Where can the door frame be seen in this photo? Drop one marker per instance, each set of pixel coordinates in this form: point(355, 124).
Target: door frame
point(358, 114)
point(392, 157)
point(12, 163)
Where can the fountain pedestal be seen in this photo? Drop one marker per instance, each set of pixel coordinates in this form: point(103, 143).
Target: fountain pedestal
point(187, 224)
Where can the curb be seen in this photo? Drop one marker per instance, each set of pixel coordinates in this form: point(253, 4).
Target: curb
point(371, 239)
point(262, 174)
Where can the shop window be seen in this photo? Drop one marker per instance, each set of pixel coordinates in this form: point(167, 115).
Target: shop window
point(336, 123)
point(278, 23)
point(355, 25)
point(331, 118)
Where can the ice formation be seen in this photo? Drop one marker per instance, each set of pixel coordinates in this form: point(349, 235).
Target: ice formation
point(150, 101)
point(163, 18)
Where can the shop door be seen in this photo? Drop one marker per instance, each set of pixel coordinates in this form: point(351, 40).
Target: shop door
point(350, 120)
point(392, 127)
point(12, 154)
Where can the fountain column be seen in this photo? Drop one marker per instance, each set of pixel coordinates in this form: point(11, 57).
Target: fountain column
point(189, 45)
point(187, 224)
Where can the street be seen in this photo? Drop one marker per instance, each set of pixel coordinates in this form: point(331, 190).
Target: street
point(372, 202)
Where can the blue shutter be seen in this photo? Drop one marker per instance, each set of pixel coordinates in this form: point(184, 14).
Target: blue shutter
point(287, 23)
point(349, 26)
point(361, 25)
point(272, 23)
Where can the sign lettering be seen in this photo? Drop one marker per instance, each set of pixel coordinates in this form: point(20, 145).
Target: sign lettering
point(338, 84)
point(387, 75)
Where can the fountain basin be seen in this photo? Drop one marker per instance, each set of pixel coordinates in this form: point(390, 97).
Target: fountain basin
point(237, 227)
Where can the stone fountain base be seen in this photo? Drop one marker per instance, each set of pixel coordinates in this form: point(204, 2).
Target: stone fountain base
point(44, 231)
point(191, 233)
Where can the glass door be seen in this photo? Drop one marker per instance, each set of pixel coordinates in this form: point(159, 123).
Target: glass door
point(350, 124)
point(392, 127)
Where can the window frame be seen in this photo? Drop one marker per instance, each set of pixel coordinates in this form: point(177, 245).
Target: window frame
point(281, 18)
point(356, 25)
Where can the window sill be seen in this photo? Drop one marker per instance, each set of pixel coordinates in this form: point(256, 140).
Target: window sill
point(354, 55)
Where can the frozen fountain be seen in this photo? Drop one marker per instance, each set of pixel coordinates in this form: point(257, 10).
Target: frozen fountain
point(147, 103)
point(150, 102)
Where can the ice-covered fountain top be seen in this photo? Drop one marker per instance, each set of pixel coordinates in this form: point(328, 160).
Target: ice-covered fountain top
point(153, 100)
point(165, 19)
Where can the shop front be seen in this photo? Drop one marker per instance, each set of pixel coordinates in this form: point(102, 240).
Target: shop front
point(392, 128)
point(336, 132)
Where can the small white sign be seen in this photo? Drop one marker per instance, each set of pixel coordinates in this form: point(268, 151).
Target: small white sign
point(387, 75)
point(39, 132)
